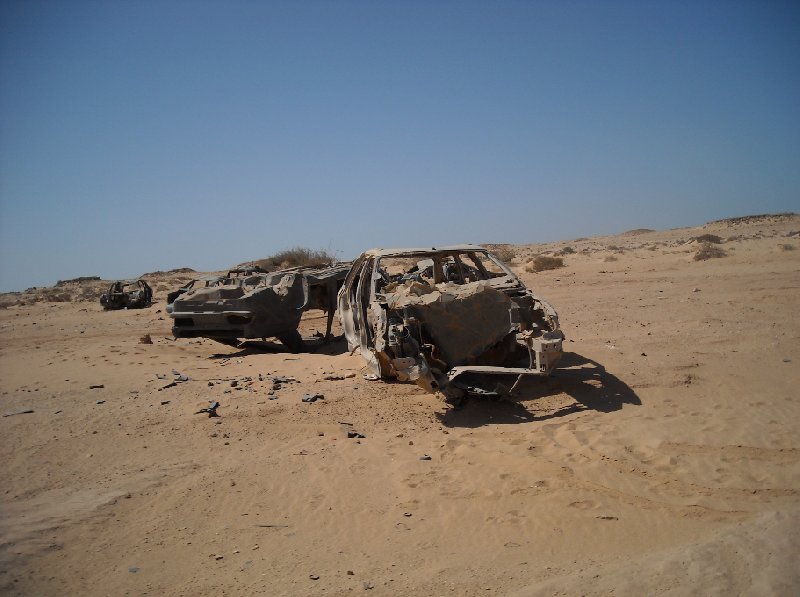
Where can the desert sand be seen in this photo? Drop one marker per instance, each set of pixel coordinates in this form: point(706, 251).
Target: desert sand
point(663, 457)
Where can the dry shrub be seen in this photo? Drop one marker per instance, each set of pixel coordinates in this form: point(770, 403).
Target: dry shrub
point(615, 248)
point(541, 263)
point(295, 257)
point(707, 238)
point(787, 247)
point(505, 254)
point(566, 251)
point(708, 251)
point(610, 258)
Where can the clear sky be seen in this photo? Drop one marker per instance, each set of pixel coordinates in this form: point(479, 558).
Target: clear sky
point(141, 135)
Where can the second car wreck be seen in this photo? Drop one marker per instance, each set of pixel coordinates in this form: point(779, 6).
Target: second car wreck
point(127, 294)
point(454, 320)
point(251, 304)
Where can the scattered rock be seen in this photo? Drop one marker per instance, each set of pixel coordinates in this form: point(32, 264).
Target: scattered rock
point(368, 585)
point(425, 457)
point(350, 573)
point(312, 397)
point(211, 410)
point(313, 576)
point(96, 386)
point(146, 339)
point(234, 383)
point(163, 402)
point(339, 377)
point(355, 434)
point(133, 569)
point(100, 402)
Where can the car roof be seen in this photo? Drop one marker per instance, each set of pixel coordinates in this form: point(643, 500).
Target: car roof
point(421, 250)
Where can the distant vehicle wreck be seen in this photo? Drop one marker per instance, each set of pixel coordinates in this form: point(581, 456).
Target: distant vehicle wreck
point(454, 320)
point(252, 304)
point(127, 294)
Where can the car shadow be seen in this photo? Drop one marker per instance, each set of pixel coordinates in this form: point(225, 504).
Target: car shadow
point(587, 382)
point(334, 347)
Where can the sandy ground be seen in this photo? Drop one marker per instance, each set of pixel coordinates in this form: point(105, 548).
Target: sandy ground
point(662, 457)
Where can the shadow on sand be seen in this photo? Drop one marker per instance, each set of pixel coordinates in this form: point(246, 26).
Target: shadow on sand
point(334, 347)
point(584, 380)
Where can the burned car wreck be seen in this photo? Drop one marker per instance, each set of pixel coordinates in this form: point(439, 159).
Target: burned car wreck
point(251, 304)
point(127, 294)
point(454, 320)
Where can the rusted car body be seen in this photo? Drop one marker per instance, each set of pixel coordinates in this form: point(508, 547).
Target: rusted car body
point(127, 294)
point(204, 282)
point(249, 304)
point(453, 319)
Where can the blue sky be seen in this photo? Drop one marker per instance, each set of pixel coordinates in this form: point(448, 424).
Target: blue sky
point(145, 135)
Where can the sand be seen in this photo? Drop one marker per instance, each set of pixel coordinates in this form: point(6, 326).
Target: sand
point(661, 458)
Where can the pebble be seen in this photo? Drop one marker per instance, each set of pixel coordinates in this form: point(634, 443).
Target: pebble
point(425, 457)
point(96, 386)
point(313, 576)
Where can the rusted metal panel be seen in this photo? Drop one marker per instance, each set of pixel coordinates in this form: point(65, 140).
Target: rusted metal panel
point(439, 316)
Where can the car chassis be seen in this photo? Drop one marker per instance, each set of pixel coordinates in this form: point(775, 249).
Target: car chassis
point(455, 320)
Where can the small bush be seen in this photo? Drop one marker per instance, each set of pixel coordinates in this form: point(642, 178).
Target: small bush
point(708, 238)
point(566, 251)
point(615, 248)
point(505, 254)
point(610, 258)
point(787, 247)
point(294, 257)
point(541, 263)
point(708, 251)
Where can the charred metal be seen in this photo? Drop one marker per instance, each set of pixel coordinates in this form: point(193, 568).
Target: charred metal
point(252, 304)
point(454, 320)
point(127, 294)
